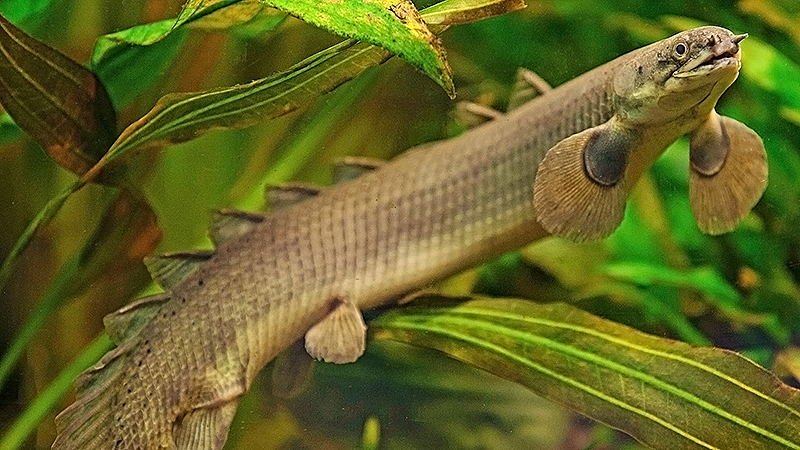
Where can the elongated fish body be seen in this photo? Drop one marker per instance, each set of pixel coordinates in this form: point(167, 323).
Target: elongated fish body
point(561, 164)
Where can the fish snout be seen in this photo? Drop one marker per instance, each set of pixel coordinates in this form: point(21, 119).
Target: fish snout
point(727, 46)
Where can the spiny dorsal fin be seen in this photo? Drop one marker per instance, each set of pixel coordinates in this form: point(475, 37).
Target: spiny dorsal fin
point(473, 114)
point(351, 167)
point(126, 322)
point(228, 224)
point(340, 337)
point(528, 86)
point(283, 195)
point(580, 189)
point(169, 270)
point(728, 173)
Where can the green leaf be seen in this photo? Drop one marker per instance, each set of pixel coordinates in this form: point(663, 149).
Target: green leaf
point(58, 102)
point(666, 394)
point(179, 117)
point(182, 116)
point(196, 9)
point(395, 25)
point(130, 60)
point(128, 68)
point(705, 280)
point(19, 11)
point(17, 433)
point(127, 233)
point(234, 14)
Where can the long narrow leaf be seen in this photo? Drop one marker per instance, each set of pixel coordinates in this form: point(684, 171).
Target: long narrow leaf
point(464, 11)
point(197, 9)
point(130, 60)
point(179, 117)
point(127, 233)
point(19, 11)
point(666, 394)
point(14, 438)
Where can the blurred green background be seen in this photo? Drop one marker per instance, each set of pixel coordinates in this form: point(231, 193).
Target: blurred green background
point(657, 273)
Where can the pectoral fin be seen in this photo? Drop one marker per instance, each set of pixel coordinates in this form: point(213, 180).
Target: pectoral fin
point(580, 188)
point(340, 337)
point(728, 173)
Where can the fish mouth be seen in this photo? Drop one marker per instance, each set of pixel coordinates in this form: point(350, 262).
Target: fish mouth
point(719, 54)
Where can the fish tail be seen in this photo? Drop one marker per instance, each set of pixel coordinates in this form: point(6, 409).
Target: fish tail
point(89, 423)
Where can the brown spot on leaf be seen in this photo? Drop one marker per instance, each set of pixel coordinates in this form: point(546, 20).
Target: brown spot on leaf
point(403, 11)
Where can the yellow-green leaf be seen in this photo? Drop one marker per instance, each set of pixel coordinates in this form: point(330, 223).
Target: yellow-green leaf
point(395, 25)
point(182, 116)
point(666, 394)
point(179, 117)
point(465, 11)
point(131, 60)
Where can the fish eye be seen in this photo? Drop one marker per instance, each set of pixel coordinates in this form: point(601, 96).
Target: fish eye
point(680, 50)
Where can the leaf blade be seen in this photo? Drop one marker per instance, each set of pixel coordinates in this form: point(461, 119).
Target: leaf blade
point(131, 60)
point(58, 102)
point(394, 25)
point(646, 386)
point(465, 11)
point(179, 117)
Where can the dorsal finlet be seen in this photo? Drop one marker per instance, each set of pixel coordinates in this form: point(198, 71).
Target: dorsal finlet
point(283, 195)
point(351, 167)
point(170, 269)
point(472, 114)
point(227, 224)
point(126, 322)
point(528, 85)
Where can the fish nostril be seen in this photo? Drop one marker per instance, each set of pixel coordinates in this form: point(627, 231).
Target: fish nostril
point(738, 38)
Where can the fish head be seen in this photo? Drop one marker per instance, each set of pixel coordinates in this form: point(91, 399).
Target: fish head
point(679, 78)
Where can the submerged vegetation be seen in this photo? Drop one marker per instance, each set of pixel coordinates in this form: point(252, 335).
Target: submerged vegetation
point(593, 328)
